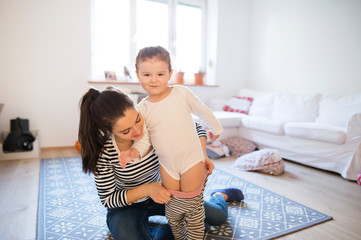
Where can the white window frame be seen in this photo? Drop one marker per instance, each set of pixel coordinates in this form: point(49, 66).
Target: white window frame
point(172, 38)
point(203, 6)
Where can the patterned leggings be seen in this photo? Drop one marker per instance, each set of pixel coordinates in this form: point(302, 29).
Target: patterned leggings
point(186, 217)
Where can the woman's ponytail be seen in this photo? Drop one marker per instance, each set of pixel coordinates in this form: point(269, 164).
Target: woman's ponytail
point(98, 112)
point(90, 138)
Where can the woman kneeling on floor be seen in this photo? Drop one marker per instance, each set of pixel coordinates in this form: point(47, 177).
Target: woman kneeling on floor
point(109, 124)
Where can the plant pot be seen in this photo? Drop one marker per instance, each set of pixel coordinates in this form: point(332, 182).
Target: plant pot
point(179, 78)
point(198, 78)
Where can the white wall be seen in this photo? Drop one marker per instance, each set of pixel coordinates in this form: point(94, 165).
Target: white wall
point(228, 48)
point(295, 46)
point(232, 46)
point(45, 65)
point(306, 46)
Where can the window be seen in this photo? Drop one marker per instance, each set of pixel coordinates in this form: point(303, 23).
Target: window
point(120, 28)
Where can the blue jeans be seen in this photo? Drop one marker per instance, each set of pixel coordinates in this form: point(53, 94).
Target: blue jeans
point(132, 222)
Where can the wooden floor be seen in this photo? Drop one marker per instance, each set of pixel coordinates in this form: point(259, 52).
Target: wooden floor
point(320, 190)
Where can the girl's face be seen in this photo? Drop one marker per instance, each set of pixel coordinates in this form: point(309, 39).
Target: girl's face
point(153, 75)
point(129, 127)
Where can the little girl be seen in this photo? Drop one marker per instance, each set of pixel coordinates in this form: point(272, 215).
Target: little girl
point(167, 113)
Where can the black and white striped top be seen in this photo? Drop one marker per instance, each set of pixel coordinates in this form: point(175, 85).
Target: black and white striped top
point(112, 182)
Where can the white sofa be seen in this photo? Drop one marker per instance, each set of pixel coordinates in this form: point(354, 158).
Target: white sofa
point(322, 131)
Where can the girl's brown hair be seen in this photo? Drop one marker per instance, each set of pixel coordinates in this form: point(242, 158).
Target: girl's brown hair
point(153, 52)
point(98, 113)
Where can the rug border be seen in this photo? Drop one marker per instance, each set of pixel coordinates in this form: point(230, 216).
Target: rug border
point(298, 228)
point(40, 212)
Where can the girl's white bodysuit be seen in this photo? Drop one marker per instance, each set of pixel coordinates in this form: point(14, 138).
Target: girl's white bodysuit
point(172, 130)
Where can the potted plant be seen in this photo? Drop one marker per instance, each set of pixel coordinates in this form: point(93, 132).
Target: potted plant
point(179, 77)
point(198, 77)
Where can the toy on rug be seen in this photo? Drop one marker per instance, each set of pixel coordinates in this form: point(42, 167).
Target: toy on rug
point(216, 150)
point(359, 178)
point(265, 160)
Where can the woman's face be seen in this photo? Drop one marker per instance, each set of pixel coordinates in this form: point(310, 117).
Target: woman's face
point(129, 127)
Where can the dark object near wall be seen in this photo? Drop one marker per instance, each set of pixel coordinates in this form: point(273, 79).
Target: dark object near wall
point(19, 138)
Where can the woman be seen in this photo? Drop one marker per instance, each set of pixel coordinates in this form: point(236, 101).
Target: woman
point(109, 124)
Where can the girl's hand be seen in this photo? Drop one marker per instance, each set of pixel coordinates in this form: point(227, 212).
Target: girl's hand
point(158, 193)
point(212, 136)
point(209, 165)
point(125, 157)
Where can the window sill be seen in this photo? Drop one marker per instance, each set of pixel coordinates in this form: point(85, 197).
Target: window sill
point(137, 83)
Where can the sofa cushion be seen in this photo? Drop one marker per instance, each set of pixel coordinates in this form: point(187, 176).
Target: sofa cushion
point(238, 104)
point(314, 131)
point(263, 124)
point(262, 104)
point(292, 107)
point(337, 109)
point(353, 126)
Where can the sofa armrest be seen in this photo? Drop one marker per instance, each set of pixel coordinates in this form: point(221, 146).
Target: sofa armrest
point(216, 104)
point(354, 126)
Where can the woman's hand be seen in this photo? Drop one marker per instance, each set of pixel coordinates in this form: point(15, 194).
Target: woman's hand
point(158, 193)
point(209, 165)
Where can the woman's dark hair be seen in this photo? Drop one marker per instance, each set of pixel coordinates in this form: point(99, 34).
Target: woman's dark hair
point(98, 113)
point(151, 52)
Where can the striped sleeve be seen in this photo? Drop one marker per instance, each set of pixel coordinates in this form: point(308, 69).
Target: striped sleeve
point(200, 130)
point(105, 183)
point(113, 181)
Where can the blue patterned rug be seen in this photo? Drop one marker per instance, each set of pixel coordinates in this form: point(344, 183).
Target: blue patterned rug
point(69, 207)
